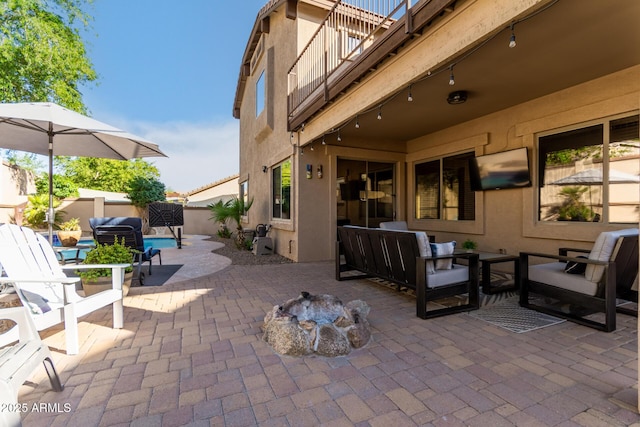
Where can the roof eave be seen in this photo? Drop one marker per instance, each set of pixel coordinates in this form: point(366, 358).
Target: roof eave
point(259, 27)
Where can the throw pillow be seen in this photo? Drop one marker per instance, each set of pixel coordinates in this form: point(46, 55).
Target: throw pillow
point(439, 249)
point(36, 303)
point(575, 267)
point(425, 249)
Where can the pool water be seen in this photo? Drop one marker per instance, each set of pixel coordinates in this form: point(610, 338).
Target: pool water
point(155, 242)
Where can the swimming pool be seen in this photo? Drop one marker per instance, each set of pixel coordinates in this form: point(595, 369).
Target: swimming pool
point(154, 242)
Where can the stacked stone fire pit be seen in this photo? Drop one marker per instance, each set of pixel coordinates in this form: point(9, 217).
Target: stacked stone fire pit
point(317, 324)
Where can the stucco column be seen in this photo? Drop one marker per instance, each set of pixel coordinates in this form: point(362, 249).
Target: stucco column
point(98, 207)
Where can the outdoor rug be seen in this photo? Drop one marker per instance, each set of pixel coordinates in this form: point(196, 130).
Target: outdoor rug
point(497, 280)
point(508, 314)
point(161, 273)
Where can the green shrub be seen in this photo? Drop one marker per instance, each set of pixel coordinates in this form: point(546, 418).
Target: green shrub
point(117, 253)
point(224, 233)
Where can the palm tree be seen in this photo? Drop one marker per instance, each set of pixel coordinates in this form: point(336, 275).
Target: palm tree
point(572, 207)
point(233, 209)
point(35, 213)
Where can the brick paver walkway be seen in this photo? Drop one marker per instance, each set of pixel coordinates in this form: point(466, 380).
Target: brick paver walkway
point(191, 353)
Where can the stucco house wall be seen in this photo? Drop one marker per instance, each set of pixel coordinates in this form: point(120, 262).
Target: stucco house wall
point(224, 189)
point(504, 219)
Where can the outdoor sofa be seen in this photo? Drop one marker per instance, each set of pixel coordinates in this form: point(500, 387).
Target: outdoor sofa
point(406, 258)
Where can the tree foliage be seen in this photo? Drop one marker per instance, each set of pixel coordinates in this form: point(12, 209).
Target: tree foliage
point(63, 186)
point(27, 161)
point(106, 174)
point(572, 207)
point(42, 56)
point(143, 191)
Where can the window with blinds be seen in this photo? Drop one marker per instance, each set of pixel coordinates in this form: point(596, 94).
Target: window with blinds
point(443, 189)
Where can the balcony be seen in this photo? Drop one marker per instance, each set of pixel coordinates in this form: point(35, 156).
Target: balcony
point(355, 37)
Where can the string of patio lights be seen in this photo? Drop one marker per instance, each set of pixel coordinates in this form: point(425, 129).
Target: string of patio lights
point(430, 74)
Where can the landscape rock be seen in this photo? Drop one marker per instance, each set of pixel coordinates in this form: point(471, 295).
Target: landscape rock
point(317, 324)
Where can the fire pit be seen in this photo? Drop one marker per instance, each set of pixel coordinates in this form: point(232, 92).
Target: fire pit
point(317, 324)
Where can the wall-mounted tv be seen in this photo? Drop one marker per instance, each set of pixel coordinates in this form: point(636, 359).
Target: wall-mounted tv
point(507, 169)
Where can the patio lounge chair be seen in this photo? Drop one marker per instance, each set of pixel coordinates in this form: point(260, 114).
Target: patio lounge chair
point(130, 228)
point(19, 360)
point(31, 266)
point(575, 288)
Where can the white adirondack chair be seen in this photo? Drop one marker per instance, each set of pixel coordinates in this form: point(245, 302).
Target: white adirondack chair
point(19, 361)
point(30, 264)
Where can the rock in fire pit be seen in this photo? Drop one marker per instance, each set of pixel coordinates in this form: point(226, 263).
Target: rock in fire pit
point(317, 324)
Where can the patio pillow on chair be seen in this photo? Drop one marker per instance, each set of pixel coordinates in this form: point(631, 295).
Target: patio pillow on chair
point(439, 249)
point(574, 267)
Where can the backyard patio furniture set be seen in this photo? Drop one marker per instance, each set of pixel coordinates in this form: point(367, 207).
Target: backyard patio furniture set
point(409, 259)
point(580, 289)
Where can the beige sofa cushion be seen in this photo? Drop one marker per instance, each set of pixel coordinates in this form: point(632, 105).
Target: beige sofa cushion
point(552, 273)
point(457, 274)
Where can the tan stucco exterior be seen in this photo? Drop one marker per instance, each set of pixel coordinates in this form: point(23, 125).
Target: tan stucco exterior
point(16, 184)
point(504, 219)
point(222, 190)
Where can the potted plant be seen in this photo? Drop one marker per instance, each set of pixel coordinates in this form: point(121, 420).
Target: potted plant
point(469, 245)
point(95, 280)
point(69, 232)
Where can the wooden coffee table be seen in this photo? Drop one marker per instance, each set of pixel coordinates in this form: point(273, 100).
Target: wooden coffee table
point(486, 260)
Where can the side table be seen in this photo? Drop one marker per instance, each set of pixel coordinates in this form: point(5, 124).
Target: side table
point(59, 250)
point(486, 260)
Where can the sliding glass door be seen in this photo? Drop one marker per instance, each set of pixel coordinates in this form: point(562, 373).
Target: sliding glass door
point(365, 193)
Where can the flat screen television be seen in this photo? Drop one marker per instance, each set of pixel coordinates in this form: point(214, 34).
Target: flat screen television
point(507, 169)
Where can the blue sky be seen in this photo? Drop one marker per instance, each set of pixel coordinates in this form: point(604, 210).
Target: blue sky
point(168, 72)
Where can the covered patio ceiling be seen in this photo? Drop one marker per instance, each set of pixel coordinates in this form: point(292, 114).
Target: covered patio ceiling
point(564, 45)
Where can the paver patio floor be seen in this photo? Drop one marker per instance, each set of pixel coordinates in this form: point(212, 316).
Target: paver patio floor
point(191, 353)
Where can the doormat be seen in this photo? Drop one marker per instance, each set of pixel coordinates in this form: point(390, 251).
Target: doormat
point(508, 314)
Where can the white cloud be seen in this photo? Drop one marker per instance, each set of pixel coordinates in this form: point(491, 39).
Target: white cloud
point(198, 153)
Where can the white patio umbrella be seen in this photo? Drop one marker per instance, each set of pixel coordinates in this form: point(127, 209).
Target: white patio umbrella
point(594, 177)
point(49, 129)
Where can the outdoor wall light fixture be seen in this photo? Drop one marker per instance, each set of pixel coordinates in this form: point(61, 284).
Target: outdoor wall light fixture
point(457, 97)
point(264, 169)
point(512, 39)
